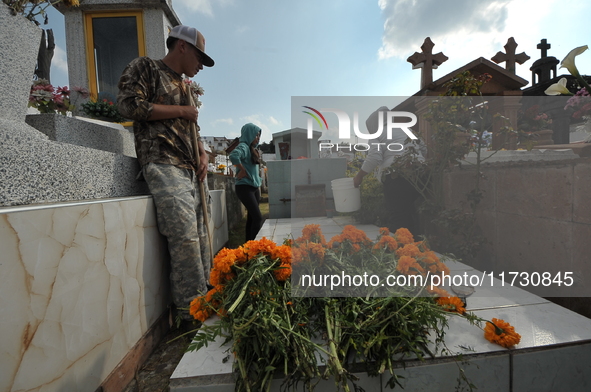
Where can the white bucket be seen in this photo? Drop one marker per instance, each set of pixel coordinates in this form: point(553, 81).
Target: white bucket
point(347, 198)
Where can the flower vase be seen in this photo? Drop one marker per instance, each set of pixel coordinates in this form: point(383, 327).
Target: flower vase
point(542, 137)
point(19, 46)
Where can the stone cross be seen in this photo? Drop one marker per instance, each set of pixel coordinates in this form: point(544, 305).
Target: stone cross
point(427, 60)
point(544, 46)
point(510, 58)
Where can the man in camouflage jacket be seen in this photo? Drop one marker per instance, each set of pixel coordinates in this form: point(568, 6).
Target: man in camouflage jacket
point(154, 95)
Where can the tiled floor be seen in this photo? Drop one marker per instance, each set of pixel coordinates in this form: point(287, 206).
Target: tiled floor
point(554, 353)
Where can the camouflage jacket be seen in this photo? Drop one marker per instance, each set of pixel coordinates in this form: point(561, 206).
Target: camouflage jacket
point(145, 82)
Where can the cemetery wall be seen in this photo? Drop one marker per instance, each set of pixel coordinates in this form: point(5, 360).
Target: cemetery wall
point(535, 216)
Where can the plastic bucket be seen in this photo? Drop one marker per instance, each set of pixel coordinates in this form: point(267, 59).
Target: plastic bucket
point(347, 198)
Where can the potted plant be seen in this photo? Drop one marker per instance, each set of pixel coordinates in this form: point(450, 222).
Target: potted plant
point(534, 128)
point(102, 109)
point(49, 99)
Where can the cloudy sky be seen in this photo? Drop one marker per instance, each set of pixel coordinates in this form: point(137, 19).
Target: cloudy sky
point(268, 51)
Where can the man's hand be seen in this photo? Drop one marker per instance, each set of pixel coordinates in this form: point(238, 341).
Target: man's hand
point(358, 178)
point(165, 112)
point(190, 113)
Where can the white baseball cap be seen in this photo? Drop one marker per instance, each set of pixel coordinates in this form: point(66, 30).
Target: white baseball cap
point(195, 38)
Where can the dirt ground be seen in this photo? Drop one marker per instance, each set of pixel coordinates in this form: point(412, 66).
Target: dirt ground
point(155, 374)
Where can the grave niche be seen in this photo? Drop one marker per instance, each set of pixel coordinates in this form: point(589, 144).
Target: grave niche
point(103, 36)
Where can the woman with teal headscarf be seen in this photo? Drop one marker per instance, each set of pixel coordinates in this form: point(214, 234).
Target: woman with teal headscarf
point(246, 158)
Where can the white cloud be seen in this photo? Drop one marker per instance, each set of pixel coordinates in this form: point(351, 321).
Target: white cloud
point(59, 67)
point(203, 6)
point(409, 22)
point(60, 60)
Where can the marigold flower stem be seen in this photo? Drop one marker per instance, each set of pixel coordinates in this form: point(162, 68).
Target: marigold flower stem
point(243, 292)
point(334, 357)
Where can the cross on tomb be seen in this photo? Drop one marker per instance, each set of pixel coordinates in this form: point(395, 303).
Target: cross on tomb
point(544, 46)
point(510, 58)
point(428, 61)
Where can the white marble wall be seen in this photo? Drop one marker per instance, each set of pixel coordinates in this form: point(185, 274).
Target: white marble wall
point(79, 285)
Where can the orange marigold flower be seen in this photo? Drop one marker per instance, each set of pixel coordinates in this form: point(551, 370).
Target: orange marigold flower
point(408, 250)
point(355, 235)
point(266, 245)
point(351, 234)
point(241, 256)
point(215, 277)
point(211, 293)
point(316, 250)
point(254, 248)
point(196, 305)
point(202, 315)
point(312, 233)
point(308, 251)
point(218, 278)
point(451, 304)
point(283, 253)
point(199, 310)
point(297, 255)
point(404, 236)
point(386, 242)
point(384, 231)
point(283, 272)
point(405, 263)
point(431, 256)
point(501, 333)
point(224, 260)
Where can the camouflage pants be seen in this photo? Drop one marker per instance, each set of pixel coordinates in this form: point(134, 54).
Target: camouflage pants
point(181, 220)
